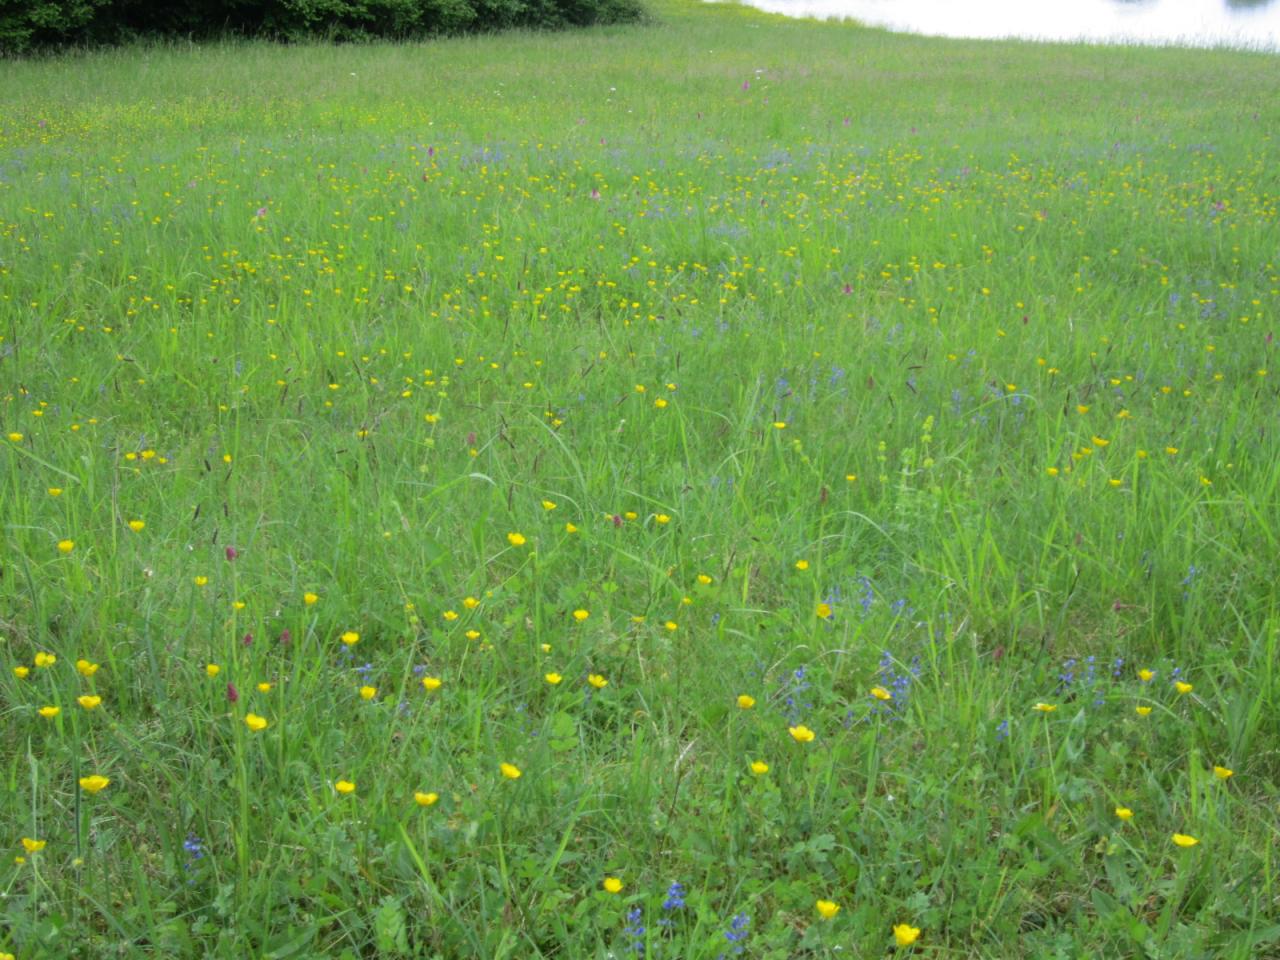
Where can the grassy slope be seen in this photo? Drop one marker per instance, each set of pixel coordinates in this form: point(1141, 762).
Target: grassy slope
point(946, 266)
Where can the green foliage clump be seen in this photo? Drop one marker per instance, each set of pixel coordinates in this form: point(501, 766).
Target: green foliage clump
point(25, 24)
point(57, 23)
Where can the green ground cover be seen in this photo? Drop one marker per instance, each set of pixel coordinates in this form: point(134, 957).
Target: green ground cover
point(825, 465)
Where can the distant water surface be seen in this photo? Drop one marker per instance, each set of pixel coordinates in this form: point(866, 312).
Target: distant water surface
point(1237, 23)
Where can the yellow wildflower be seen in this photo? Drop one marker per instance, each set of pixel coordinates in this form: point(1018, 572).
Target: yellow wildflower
point(801, 734)
point(93, 783)
point(827, 909)
point(905, 935)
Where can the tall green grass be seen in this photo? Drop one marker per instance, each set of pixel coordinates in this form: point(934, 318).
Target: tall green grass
point(804, 359)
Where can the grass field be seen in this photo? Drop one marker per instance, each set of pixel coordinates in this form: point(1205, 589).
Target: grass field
point(638, 491)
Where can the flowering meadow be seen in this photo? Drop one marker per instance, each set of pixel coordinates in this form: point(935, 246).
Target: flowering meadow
point(721, 487)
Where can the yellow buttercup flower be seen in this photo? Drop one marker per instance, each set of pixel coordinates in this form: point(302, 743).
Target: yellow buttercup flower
point(612, 885)
point(255, 722)
point(368, 693)
point(801, 733)
point(759, 767)
point(548, 504)
point(1124, 813)
point(66, 546)
point(470, 603)
point(21, 672)
point(310, 599)
point(510, 771)
point(212, 669)
point(802, 564)
point(827, 909)
point(94, 783)
point(580, 615)
point(88, 701)
point(136, 526)
point(350, 638)
point(33, 846)
point(1184, 840)
point(1182, 687)
point(1142, 711)
point(201, 581)
point(1146, 675)
point(597, 681)
point(662, 518)
point(431, 683)
point(1045, 707)
point(49, 712)
point(570, 528)
point(552, 678)
point(45, 659)
point(86, 668)
point(746, 701)
point(516, 539)
point(425, 799)
point(880, 693)
point(1222, 773)
point(344, 787)
point(905, 935)
point(823, 611)
point(265, 687)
